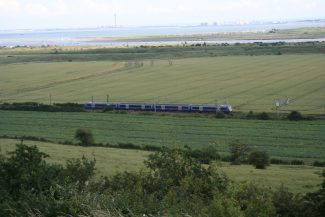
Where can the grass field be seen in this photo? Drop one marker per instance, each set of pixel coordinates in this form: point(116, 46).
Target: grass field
point(282, 139)
point(248, 82)
point(109, 161)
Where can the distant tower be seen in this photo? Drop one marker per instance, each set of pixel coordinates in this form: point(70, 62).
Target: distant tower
point(115, 20)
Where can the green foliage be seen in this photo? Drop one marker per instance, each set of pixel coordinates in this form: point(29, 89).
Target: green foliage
point(28, 184)
point(34, 106)
point(79, 170)
point(250, 115)
point(287, 204)
point(205, 155)
point(314, 203)
point(85, 137)
point(220, 115)
point(238, 152)
point(295, 116)
point(172, 184)
point(263, 116)
point(260, 159)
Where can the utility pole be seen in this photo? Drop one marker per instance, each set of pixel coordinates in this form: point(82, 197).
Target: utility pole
point(50, 99)
point(115, 20)
point(217, 106)
point(277, 106)
point(286, 102)
point(107, 98)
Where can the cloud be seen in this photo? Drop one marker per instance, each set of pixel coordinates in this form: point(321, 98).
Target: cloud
point(67, 13)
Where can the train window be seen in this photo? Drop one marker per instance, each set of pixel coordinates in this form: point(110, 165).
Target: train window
point(171, 107)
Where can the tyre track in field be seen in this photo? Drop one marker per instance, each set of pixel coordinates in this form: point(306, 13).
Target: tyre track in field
point(241, 84)
point(56, 83)
point(229, 87)
point(286, 88)
point(236, 69)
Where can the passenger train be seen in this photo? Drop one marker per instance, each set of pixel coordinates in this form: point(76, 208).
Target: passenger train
point(158, 107)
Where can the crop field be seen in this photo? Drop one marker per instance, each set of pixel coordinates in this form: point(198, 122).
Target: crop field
point(282, 139)
point(299, 179)
point(246, 82)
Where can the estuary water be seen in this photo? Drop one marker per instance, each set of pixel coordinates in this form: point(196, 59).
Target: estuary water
point(75, 37)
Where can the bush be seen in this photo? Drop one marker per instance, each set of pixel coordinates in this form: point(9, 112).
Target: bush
point(220, 115)
point(279, 161)
point(297, 162)
point(205, 155)
point(263, 116)
point(85, 137)
point(319, 163)
point(238, 152)
point(250, 115)
point(260, 159)
point(295, 116)
point(128, 146)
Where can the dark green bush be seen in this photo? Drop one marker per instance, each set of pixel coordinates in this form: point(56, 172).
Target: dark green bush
point(319, 163)
point(238, 152)
point(260, 159)
point(279, 161)
point(84, 136)
point(295, 116)
point(263, 116)
point(250, 115)
point(297, 162)
point(220, 115)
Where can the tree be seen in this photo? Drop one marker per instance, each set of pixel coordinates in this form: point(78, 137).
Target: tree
point(238, 151)
point(260, 159)
point(295, 116)
point(85, 137)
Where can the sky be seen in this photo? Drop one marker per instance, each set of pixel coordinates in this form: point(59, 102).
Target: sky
point(40, 14)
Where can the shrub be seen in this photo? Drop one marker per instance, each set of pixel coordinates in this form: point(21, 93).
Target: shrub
point(260, 159)
point(297, 162)
point(279, 161)
point(295, 116)
point(220, 115)
point(85, 137)
point(238, 152)
point(250, 115)
point(263, 116)
point(319, 163)
point(205, 155)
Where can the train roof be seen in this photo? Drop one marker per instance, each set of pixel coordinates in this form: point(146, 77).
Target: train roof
point(167, 104)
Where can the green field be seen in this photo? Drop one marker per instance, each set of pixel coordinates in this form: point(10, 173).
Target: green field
point(282, 139)
point(299, 179)
point(247, 82)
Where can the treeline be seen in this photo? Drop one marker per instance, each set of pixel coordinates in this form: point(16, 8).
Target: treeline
point(205, 155)
point(76, 107)
point(34, 106)
point(172, 184)
point(160, 52)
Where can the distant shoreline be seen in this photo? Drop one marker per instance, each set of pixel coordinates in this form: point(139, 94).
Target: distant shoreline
point(137, 37)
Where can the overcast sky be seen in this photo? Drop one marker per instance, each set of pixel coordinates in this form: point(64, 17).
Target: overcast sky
point(26, 14)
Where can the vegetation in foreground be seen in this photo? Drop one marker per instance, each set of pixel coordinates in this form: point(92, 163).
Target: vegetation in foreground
point(173, 184)
point(285, 140)
point(109, 161)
